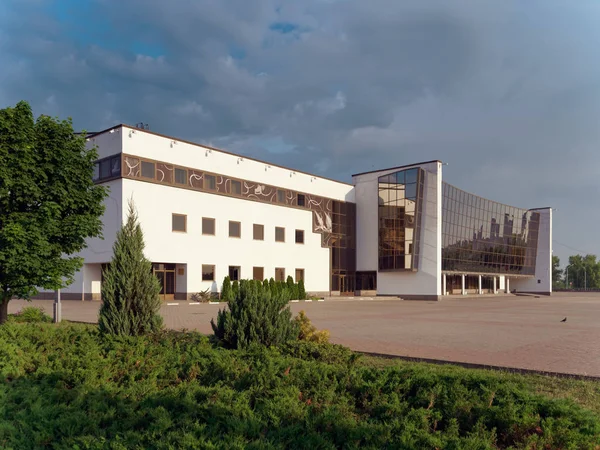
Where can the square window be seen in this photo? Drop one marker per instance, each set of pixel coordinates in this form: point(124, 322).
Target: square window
point(208, 272)
point(279, 274)
point(258, 273)
point(279, 234)
point(180, 176)
point(258, 232)
point(208, 226)
point(179, 223)
point(148, 169)
point(236, 187)
point(235, 229)
point(299, 236)
point(234, 273)
point(299, 275)
point(105, 169)
point(280, 196)
point(301, 200)
point(211, 182)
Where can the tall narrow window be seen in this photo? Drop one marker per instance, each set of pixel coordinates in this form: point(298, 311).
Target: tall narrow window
point(301, 200)
point(179, 223)
point(258, 232)
point(279, 274)
point(279, 234)
point(105, 169)
point(180, 176)
point(234, 273)
point(115, 166)
point(210, 182)
point(299, 236)
point(280, 196)
point(258, 273)
point(235, 229)
point(148, 169)
point(208, 226)
point(236, 187)
point(208, 272)
point(299, 275)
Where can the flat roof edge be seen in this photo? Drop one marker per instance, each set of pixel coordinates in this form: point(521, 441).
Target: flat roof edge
point(397, 167)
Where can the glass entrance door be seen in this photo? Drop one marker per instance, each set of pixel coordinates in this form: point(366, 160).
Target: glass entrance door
point(347, 285)
point(166, 276)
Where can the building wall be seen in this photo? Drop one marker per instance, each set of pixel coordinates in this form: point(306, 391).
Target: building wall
point(424, 283)
point(156, 204)
point(107, 144)
point(542, 281)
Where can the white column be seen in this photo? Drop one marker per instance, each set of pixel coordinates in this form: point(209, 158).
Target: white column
point(479, 291)
point(444, 284)
point(494, 286)
point(462, 285)
point(507, 286)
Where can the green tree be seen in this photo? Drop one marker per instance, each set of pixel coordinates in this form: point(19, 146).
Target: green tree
point(301, 290)
point(255, 316)
point(557, 280)
point(235, 288)
point(226, 292)
point(291, 287)
point(49, 204)
point(584, 271)
point(130, 300)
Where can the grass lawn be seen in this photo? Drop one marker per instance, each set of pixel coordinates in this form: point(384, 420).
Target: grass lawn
point(66, 387)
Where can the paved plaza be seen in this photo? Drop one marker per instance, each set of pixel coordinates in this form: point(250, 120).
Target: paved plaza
point(510, 331)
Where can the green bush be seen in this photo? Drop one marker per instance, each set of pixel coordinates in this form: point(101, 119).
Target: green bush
point(64, 387)
point(235, 289)
point(130, 292)
point(255, 317)
point(301, 290)
point(30, 314)
point(226, 291)
point(308, 332)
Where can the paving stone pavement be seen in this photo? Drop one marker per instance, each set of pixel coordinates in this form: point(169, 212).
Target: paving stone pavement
point(509, 331)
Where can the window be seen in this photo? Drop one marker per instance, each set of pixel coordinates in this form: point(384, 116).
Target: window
point(299, 236)
point(301, 200)
point(208, 226)
point(211, 182)
point(105, 169)
point(299, 275)
point(208, 273)
point(236, 187)
point(279, 274)
point(180, 176)
point(280, 196)
point(179, 223)
point(147, 169)
point(235, 229)
point(234, 273)
point(279, 234)
point(258, 273)
point(115, 166)
point(258, 232)
point(96, 175)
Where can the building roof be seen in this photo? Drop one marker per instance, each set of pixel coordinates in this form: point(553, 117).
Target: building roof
point(90, 135)
point(397, 167)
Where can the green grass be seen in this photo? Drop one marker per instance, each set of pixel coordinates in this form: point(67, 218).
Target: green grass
point(66, 387)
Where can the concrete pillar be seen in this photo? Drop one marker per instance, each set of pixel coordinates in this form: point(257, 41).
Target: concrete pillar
point(479, 291)
point(494, 286)
point(444, 291)
point(462, 285)
point(507, 286)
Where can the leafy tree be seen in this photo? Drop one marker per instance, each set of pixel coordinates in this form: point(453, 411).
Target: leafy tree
point(584, 271)
point(130, 300)
point(49, 204)
point(226, 292)
point(557, 280)
point(255, 316)
point(301, 290)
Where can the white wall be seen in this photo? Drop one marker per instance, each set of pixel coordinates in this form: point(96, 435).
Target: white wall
point(156, 204)
point(542, 282)
point(147, 145)
point(424, 282)
point(108, 143)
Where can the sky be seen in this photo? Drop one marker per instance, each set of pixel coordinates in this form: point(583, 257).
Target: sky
point(506, 92)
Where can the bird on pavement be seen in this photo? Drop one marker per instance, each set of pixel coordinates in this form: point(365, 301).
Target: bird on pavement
point(564, 320)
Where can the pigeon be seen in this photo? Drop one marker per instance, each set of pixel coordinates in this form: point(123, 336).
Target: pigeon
point(564, 320)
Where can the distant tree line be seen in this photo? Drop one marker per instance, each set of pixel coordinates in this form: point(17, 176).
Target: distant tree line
point(582, 272)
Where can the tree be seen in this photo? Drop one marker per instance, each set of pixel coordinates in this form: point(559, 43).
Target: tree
point(49, 204)
point(584, 271)
point(130, 300)
point(226, 292)
point(556, 272)
point(255, 316)
point(301, 290)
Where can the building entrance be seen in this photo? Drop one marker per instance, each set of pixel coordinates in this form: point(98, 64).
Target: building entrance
point(166, 276)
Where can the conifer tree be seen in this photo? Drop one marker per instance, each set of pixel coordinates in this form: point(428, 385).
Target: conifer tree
point(235, 289)
point(301, 290)
point(130, 300)
point(226, 292)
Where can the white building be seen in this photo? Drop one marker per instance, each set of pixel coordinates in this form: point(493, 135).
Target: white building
point(207, 213)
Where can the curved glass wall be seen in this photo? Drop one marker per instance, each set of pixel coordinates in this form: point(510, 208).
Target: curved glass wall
point(482, 236)
point(400, 205)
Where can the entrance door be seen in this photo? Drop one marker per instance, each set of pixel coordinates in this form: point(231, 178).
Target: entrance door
point(347, 285)
point(166, 276)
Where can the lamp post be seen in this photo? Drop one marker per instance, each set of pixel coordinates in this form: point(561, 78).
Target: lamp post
point(567, 281)
point(57, 308)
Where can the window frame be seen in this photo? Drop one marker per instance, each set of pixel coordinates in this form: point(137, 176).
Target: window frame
point(239, 229)
point(239, 273)
point(206, 185)
point(213, 272)
point(214, 225)
point(262, 271)
point(235, 183)
point(142, 162)
point(173, 215)
point(303, 197)
point(283, 231)
point(296, 236)
point(262, 232)
point(185, 176)
point(283, 271)
point(281, 192)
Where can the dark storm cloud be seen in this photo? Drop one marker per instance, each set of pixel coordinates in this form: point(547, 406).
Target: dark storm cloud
point(508, 93)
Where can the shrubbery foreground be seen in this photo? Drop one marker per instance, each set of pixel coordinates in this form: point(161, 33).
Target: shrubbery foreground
point(69, 387)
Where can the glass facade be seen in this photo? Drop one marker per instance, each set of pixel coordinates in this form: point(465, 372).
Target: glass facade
point(400, 206)
point(482, 236)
